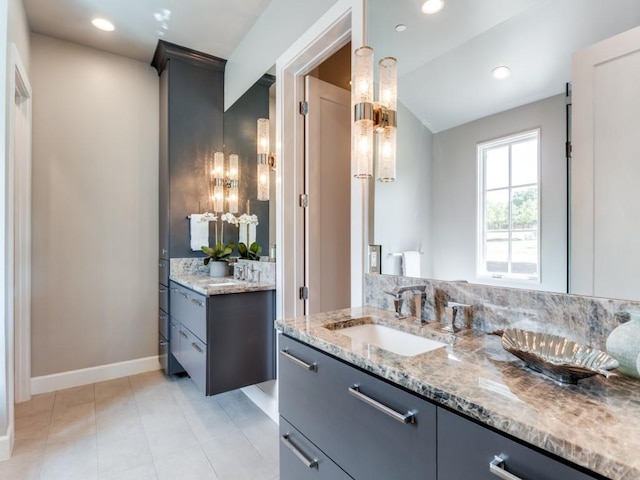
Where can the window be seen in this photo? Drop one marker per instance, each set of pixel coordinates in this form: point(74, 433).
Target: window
point(509, 213)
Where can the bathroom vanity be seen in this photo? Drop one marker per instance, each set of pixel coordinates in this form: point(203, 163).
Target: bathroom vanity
point(221, 331)
point(466, 410)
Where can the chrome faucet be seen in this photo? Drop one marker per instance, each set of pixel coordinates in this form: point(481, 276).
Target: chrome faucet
point(418, 300)
point(451, 311)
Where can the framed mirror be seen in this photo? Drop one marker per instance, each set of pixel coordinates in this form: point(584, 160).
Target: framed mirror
point(467, 220)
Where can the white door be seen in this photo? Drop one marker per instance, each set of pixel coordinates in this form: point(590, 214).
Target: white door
point(328, 186)
point(605, 172)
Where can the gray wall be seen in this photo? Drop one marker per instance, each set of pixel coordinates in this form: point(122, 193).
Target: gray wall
point(95, 207)
point(454, 192)
point(402, 219)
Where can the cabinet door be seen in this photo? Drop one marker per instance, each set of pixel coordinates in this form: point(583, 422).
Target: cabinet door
point(163, 298)
point(370, 428)
point(163, 272)
point(465, 450)
point(301, 460)
point(175, 337)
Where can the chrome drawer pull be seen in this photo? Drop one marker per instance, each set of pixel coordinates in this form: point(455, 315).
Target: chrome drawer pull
point(408, 417)
point(313, 367)
point(183, 334)
point(184, 295)
point(200, 304)
point(303, 458)
point(162, 290)
point(198, 349)
point(163, 343)
point(173, 289)
point(497, 468)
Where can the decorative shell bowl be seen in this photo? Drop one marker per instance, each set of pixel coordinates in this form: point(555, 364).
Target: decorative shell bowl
point(557, 357)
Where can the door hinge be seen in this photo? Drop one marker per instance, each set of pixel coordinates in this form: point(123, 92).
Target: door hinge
point(304, 293)
point(304, 200)
point(304, 108)
point(568, 149)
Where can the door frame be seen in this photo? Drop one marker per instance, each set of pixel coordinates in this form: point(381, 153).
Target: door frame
point(19, 224)
point(343, 22)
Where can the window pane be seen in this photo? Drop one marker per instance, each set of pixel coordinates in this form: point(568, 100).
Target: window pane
point(524, 163)
point(497, 252)
point(497, 210)
point(524, 208)
point(524, 253)
point(496, 167)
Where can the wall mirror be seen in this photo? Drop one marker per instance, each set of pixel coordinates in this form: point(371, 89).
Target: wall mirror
point(240, 138)
point(449, 103)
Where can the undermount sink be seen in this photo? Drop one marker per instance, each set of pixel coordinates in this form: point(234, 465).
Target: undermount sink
point(224, 281)
point(396, 341)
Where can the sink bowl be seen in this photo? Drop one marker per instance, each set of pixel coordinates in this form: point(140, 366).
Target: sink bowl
point(224, 281)
point(396, 341)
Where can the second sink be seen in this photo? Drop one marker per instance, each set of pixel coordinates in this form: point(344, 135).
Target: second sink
point(396, 341)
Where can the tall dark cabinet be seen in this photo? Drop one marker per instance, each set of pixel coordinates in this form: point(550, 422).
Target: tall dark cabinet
point(191, 127)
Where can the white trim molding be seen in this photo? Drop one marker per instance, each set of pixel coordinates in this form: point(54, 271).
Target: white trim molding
point(6, 444)
point(86, 376)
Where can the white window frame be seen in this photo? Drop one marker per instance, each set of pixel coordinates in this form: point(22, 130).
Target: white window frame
point(481, 272)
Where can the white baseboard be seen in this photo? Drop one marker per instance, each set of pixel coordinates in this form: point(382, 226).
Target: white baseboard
point(6, 444)
point(265, 396)
point(86, 376)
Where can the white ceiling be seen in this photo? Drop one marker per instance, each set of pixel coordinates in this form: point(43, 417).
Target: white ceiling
point(210, 26)
point(445, 60)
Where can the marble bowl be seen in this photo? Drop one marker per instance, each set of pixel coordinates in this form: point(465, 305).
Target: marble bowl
point(557, 357)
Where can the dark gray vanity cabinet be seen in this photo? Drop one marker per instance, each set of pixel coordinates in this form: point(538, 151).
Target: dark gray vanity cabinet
point(225, 341)
point(369, 428)
point(191, 127)
point(466, 450)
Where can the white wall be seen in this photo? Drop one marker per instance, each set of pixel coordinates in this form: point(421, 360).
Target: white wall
point(95, 207)
point(279, 26)
point(455, 191)
point(402, 218)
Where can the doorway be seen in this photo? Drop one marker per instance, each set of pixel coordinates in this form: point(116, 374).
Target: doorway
point(327, 183)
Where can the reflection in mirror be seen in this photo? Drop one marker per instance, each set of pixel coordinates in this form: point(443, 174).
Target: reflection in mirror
point(494, 217)
point(240, 138)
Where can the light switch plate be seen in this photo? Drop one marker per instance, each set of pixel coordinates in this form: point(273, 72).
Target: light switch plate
point(374, 258)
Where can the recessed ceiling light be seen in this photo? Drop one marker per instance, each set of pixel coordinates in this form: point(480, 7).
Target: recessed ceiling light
point(401, 27)
point(103, 24)
point(432, 6)
point(501, 72)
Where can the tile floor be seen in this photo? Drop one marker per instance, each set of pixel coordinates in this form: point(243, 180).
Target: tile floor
point(142, 427)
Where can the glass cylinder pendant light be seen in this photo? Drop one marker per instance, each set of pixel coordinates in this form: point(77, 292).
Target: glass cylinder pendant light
point(388, 99)
point(362, 98)
point(233, 183)
point(218, 182)
point(263, 159)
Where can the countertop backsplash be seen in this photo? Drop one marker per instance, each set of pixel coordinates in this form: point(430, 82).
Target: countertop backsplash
point(188, 266)
point(587, 320)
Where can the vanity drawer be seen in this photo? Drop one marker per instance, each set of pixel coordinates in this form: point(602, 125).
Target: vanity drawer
point(300, 459)
point(163, 272)
point(193, 357)
point(190, 309)
point(461, 439)
point(174, 337)
point(163, 324)
point(352, 416)
point(163, 298)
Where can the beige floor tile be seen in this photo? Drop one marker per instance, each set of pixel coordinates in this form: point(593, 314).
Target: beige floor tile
point(38, 404)
point(264, 437)
point(71, 460)
point(33, 426)
point(142, 472)
point(118, 453)
point(113, 391)
point(78, 421)
point(168, 436)
point(186, 464)
point(20, 468)
point(72, 397)
point(234, 458)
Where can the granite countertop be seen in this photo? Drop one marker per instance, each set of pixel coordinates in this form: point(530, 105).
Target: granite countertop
point(595, 424)
point(208, 285)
